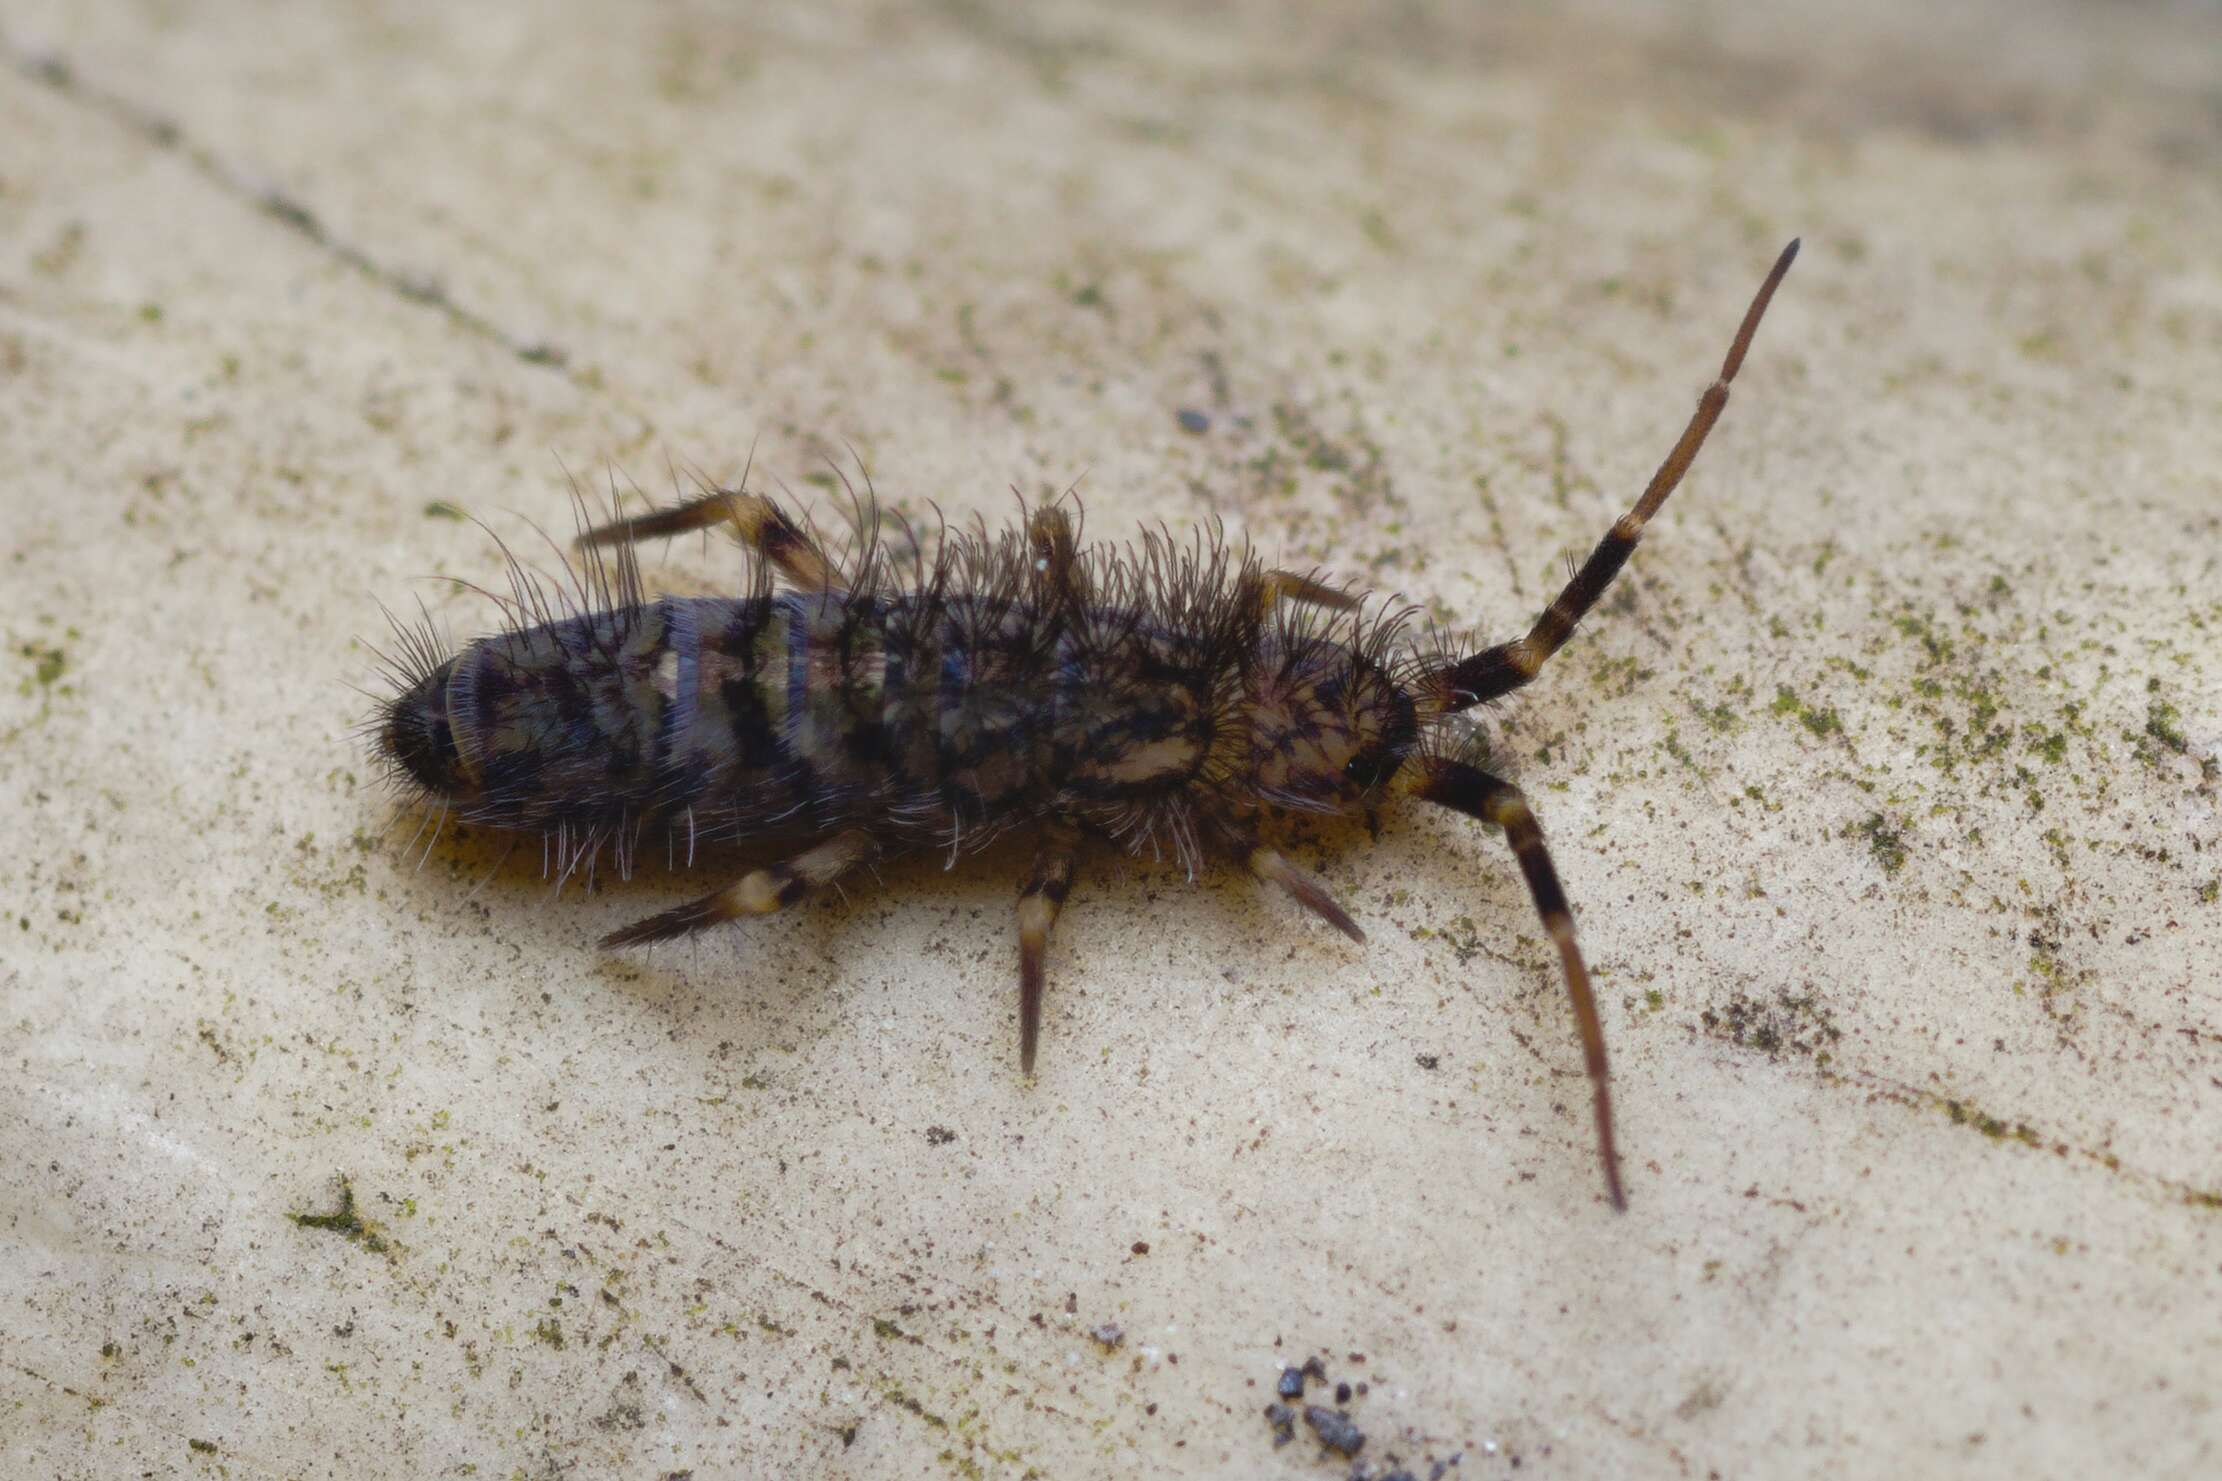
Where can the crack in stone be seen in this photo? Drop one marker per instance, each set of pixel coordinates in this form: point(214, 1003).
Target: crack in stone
point(276, 203)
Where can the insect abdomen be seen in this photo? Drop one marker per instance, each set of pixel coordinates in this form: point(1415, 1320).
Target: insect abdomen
point(802, 711)
point(555, 726)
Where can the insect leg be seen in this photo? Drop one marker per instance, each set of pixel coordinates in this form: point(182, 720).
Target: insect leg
point(759, 892)
point(1302, 888)
point(1060, 582)
point(1477, 794)
point(1504, 668)
point(1276, 587)
point(1039, 900)
point(757, 523)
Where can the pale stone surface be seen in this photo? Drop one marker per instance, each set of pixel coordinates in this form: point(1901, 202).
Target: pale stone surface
point(1884, 784)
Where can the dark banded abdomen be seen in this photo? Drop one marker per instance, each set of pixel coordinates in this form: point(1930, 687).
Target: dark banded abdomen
point(809, 712)
point(562, 725)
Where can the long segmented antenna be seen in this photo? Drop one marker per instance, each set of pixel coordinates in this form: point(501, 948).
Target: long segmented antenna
point(1504, 668)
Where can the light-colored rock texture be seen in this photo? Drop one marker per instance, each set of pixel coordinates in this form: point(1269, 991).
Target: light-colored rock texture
point(1885, 782)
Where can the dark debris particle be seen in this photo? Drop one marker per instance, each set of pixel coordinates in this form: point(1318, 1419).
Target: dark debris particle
point(1427, 1061)
point(1335, 1429)
point(1342, 1393)
point(1139, 1247)
point(1283, 1420)
point(940, 1136)
point(1315, 1369)
point(1193, 421)
point(1110, 1334)
point(1291, 1385)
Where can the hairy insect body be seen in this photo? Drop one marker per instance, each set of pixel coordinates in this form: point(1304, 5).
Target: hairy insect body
point(933, 723)
point(1167, 697)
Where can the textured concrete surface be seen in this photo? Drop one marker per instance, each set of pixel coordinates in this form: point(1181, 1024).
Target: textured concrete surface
point(1885, 784)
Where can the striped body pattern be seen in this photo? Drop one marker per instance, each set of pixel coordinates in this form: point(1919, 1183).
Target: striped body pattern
point(1175, 697)
point(935, 721)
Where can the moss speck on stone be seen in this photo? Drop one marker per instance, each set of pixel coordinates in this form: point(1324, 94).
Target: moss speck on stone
point(47, 665)
point(1822, 723)
point(1798, 1022)
point(902, 1400)
point(1991, 1126)
point(2164, 724)
point(1887, 843)
point(345, 1221)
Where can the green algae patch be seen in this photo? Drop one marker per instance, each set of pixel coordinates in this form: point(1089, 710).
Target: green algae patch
point(346, 1221)
point(1887, 843)
point(1991, 1126)
point(2164, 723)
point(902, 1400)
point(48, 664)
point(1823, 723)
